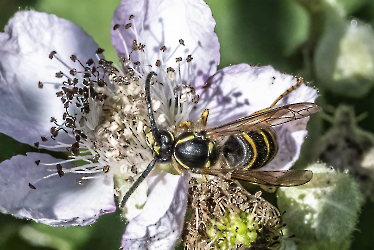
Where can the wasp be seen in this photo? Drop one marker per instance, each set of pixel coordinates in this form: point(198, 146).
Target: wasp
point(237, 149)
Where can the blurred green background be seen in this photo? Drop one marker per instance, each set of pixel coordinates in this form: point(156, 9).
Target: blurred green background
point(299, 37)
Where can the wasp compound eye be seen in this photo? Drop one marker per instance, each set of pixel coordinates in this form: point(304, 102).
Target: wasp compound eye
point(166, 146)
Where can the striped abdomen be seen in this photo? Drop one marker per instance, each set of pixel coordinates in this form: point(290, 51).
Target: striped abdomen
point(250, 150)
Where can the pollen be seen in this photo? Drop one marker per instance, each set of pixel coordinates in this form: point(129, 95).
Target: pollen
point(105, 111)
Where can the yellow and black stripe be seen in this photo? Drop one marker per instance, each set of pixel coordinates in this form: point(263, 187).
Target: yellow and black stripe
point(250, 150)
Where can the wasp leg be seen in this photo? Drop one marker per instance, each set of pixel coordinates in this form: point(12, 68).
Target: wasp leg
point(299, 81)
point(185, 124)
point(204, 117)
point(298, 84)
point(137, 182)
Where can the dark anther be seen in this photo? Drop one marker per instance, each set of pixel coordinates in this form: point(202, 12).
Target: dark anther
point(170, 69)
point(59, 170)
point(85, 82)
point(32, 186)
point(43, 138)
point(37, 162)
point(134, 170)
point(65, 89)
point(178, 59)
point(59, 74)
point(36, 144)
point(75, 148)
point(195, 99)
point(106, 168)
point(53, 119)
point(73, 58)
point(40, 85)
point(73, 72)
point(141, 46)
point(59, 94)
point(128, 25)
point(54, 132)
point(163, 48)
point(181, 42)
point(131, 17)
point(189, 58)
point(99, 51)
point(102, 61)
point(52, 54)
point(116, 26)
point(77, 138)
point(158, 63)
point(93, 69)
point(87, 75)
point(74, 91)
point(134, 45)
point(84, 136)
point(90, 62)
point(101, 83)
point(70, 123)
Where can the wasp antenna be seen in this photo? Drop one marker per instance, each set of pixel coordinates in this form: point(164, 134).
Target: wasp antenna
point(150, 109)
point(137, 182)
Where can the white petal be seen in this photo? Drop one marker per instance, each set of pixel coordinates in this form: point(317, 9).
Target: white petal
point(25, 45)
point(160, 223)
point(241, 90)
point(162, 23)
point(55, 201)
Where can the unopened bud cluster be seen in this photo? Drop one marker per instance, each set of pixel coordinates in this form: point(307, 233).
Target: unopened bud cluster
point(226, 216)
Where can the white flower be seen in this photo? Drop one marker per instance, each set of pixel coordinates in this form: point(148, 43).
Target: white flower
point(170, 30)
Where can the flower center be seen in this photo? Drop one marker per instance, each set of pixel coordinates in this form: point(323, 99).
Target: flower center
point(105, 112)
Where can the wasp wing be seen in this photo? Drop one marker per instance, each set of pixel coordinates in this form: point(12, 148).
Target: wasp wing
point(288, 178)
point(265, 118)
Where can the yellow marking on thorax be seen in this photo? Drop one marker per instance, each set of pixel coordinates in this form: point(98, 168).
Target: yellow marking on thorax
point(211, 145)
point(181, 163)
point(250, 140)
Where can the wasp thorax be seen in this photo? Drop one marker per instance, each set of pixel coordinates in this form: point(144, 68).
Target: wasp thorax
point(192, 150)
